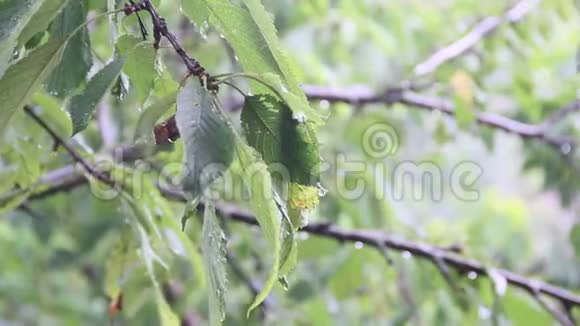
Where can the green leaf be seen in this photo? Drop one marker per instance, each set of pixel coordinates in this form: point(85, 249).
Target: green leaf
point(152, 114)
point(77, 56)
point(14, 15)
point(575, 238)
point(301, 110)
point(41, 19)
point(150, 257)
point(24, 77)
point(53, 113)
point(195, 10)
point(214, 255)
point(289, 247)
point(270, 128)
point(140, 66)
point(83, 105)
point(120, 257)
point(166, 315)
point(259, 183)
point(207, 136)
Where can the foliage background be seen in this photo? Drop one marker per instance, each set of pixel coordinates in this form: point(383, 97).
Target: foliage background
point(55, 250)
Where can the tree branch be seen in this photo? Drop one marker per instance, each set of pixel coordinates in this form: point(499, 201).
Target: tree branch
point(99, 175)
point(371, 238)
point(483, 29)
point(363, 95)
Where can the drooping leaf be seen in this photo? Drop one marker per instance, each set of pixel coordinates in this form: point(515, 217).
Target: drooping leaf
point(152, 114)
point(171, 226)
point(270, 128)
point(83, 105)
point(149, 255)
point(14, 15)
point(214, 255)
point(77, 54)
point(259, 184)
point(41, 19)
point(140, 66)
point(166, 316)
point(23, 78)
point(289, 246)
point(120, 259)
point(207, 136)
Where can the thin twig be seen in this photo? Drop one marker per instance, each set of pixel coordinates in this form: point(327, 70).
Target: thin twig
point(483, 29)
point(560, 316)
point(160, 30)
point(99, 175)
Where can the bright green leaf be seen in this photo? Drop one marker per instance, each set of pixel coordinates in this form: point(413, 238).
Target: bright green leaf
point(24, 77)
point(261, 194)
point(82, 106)
point(140, 66)
point(41, 19)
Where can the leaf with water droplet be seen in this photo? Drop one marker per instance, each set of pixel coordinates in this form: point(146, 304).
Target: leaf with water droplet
point(214, 256)
point(83, 105)
point(270, 128)
point(77, 56)
point(24, 77)
point(14, 15)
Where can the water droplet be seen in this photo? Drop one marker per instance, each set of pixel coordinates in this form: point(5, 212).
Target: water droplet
point(566, 149)
point(300, 117)
point(484, 313)
point(321, 190)
point(324, 104)
point(303, 236)
point(472, 275)
point(407, 255)
point(359, 245)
